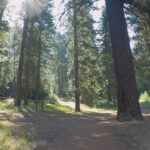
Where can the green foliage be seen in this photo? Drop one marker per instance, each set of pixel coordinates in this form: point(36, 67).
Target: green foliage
point(88, 57)
point(108, 80)
point(145, 98)
point(140, 22)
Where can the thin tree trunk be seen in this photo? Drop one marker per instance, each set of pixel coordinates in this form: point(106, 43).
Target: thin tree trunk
point(42, 104)
point(76, 62)
point(1, 14)
point(14, 80)
point(128, 104)
point(28, 68)
point(3, 4)
point(109, 92)
point(38, 75)
point(1, 64)
point(4, 83)
point(20, 68)
point(59, 82)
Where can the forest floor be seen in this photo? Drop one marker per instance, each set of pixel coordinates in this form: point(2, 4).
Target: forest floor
point(94, 130)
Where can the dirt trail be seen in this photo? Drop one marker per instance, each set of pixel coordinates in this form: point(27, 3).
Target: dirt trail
point(84, 132)
point(69, 104)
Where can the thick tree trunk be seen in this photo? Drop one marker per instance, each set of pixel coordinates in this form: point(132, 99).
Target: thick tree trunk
point(38, 75)
point(76, 62)
point(28, 68)
point(20, 68)
point(128, 104)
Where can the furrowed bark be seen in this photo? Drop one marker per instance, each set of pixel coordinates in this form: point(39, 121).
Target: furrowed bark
point(20, 68)
point(128, 104)
point(28, 69)
point(76, 62)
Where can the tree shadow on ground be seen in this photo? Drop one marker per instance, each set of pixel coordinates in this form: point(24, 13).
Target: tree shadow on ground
point(87, 131)
point(56, 130)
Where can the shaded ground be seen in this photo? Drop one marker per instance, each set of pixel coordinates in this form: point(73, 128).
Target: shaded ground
point(90, 131)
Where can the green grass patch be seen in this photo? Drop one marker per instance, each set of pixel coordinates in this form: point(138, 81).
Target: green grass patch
point(57, 108)
point(16, 138)
point(12, 138)
point(53, 108)
point(104, 105)
point(8, 106)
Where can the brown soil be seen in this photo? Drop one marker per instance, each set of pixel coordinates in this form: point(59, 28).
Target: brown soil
point(84, 132)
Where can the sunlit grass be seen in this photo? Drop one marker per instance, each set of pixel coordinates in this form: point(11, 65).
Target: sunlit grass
point(67, 107)
point(104, 109)
point(52, 108)
point(104, 106)
point(13, 139)
point(8, 106)
point(58, 108)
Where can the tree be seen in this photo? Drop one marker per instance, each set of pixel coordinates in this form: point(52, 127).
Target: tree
point(38, 72)
point(61, 60)
point(140, 23)
point(3, 4)
point(88, 57)
point(28, 64)
point(76, 63)
point(128, 104)
point(20, 68)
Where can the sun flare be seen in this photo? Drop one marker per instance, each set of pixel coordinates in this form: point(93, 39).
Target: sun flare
point(16, 7)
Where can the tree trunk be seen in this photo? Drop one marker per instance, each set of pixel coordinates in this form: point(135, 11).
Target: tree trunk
point(1, 14)
point(1, 64)
point(20, 68)
point(109, 92)
point(14, 69)
point(38, 75)
point(42, 104)
point(59, 82)
point(28, 68)
point(3, 4)
point(76, 63)
point(128, 104)
point(4, 83)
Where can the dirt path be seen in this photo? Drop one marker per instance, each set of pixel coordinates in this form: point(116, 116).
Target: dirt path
point(84, 132)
